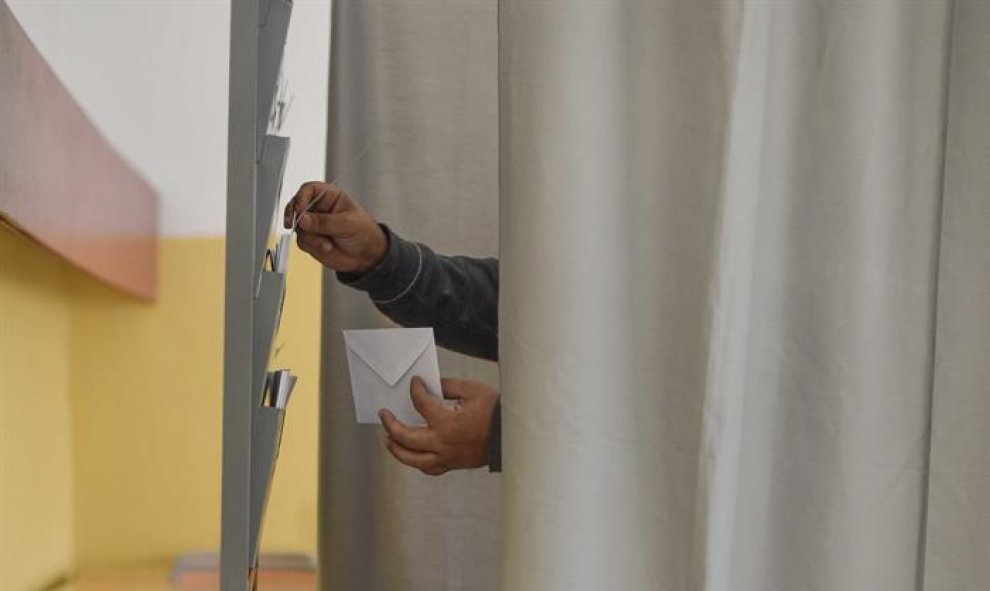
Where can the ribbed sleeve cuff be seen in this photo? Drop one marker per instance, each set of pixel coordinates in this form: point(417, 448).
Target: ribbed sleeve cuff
point(395, 275)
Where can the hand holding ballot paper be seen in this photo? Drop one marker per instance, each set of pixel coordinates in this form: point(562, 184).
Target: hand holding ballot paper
point(334, 229)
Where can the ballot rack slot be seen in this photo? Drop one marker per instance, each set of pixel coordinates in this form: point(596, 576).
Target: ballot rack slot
point(268, 313)
point(266, 439)
point(254, 292)
point(273, 28)
point(270, 171)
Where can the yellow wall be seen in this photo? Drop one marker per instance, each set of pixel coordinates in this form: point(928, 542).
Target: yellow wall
point(36, 515)
point(147, 389)
point(145, 385)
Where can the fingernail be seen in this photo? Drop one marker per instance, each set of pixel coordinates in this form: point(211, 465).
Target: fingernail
point(381, 414)
point(304, 221)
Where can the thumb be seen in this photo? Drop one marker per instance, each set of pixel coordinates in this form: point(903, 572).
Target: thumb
point(455, 389)
point(426, 404)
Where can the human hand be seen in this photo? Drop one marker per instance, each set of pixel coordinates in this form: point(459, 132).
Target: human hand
point(454, 437)
point(336, 231)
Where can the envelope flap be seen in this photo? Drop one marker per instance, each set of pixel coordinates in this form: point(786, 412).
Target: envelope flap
point(389, 352)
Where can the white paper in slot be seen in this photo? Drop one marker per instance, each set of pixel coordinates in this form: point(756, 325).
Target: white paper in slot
point(281, 382)
point(280, 259)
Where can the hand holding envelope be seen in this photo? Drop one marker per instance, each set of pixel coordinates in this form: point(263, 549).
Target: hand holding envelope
point(382, 363)
point(457, 436)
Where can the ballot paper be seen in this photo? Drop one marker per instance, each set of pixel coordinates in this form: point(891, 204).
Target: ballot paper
point(278, 388)
point(382, 363)
point(280, 257)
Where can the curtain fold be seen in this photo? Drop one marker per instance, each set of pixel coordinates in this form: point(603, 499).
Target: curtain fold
point(957, 552)
point(721, 233)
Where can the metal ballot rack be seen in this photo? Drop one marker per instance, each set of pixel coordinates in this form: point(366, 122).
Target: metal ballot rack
point(252, 417)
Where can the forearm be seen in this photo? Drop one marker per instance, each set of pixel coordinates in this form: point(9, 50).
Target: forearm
point(457, 296)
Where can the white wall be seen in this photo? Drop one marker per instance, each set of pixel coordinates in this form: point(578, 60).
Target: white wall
point(152, 76)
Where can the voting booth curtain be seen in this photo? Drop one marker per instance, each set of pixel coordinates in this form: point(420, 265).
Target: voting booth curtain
point(745, 292)
point(745, 254)
point(413, 135)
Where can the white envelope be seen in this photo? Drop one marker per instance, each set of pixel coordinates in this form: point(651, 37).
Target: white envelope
point(382, 363)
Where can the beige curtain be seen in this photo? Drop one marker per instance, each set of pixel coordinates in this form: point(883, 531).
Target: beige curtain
point(745, 282)
point(745, 307)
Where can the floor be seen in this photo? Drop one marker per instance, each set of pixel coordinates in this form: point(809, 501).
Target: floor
point(158, 580)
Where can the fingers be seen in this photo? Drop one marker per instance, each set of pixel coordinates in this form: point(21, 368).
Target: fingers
point(315, 245)
point(330, 199)
point(426, 404)
point(454, 389)
point(412, 438)
point(328, 224)
point(324, 251)
point(426, 462)
point(306, 193)
point(413, 446)
point(453, 438)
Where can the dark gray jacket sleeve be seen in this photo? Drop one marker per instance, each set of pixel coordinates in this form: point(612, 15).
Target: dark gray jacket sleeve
point(457, 296)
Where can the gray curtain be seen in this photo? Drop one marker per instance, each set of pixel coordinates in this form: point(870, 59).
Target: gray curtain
point(413, 134)
point(745, 314)
point(745, 254)
point(957, 541)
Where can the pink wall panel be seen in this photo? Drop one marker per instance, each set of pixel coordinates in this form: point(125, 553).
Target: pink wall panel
point(61, 182)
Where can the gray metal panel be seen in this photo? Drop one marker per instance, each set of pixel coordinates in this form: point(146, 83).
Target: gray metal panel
point(242, 150)
point(267, 315)
point(264, 444)
point(274, 30)
point(253, 300)
point(274, 153)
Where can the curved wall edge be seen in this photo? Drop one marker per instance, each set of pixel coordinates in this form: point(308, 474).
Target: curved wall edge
point(61, 183)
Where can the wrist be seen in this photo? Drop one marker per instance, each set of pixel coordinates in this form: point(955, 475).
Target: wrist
point(392, 274)
point(378, 250)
